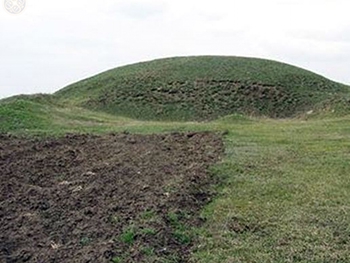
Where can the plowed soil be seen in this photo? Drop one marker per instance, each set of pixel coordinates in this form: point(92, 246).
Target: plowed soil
point(110, 198)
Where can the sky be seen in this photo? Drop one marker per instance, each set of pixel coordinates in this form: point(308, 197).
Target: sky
point(51, 44)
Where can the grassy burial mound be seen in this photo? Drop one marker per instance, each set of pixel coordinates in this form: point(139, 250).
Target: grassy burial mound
point(202, 88)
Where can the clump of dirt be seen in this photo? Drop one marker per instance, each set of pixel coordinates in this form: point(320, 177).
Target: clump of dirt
point(110, 198)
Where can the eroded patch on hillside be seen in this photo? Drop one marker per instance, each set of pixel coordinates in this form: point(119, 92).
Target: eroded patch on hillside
point(111, 198)
point(199, 100)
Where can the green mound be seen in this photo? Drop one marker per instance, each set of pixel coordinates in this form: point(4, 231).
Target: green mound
point(24, 112)
point(41, 114)
point(202, 88)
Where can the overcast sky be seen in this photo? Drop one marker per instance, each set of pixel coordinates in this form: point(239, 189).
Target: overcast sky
point(54, 43)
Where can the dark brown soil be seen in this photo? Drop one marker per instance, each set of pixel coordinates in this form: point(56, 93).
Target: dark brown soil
point(110, 198)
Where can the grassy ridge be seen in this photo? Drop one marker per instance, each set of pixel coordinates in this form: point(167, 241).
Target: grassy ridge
point(201, 88)
point(40, 114)
point(21, 113)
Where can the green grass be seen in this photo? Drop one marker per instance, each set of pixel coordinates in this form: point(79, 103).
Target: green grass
point(22, 115)
point(128, 236)
point(117, 260)
point(202, 88)
point(26, 115)
point(286, 196)
point(148, 231)
point(181, 232)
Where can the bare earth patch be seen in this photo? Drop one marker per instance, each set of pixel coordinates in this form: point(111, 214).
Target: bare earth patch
point(110, 198)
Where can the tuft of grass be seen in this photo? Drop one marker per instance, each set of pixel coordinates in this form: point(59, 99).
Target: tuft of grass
point(181, 232)
point(148, 231)
point(114, 219)
point(148, 251)
point(148, 215)
point(117, 260)
point(85, 241)
point(173, 218)
point(182, 236)
point(128, 236)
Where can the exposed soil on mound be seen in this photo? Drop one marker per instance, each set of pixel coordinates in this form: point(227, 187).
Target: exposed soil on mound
point(203, 99)
point(111, 198)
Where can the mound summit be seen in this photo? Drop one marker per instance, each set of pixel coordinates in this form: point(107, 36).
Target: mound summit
point(202, 88)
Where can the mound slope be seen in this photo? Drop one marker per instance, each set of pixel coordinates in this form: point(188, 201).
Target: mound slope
point(202, 88)
point(87, 198)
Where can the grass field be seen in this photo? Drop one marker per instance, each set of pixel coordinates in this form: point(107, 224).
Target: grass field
point(286, 197)
point(286, 190)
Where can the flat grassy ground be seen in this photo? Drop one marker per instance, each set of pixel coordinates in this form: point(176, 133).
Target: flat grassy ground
point(286, 196)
